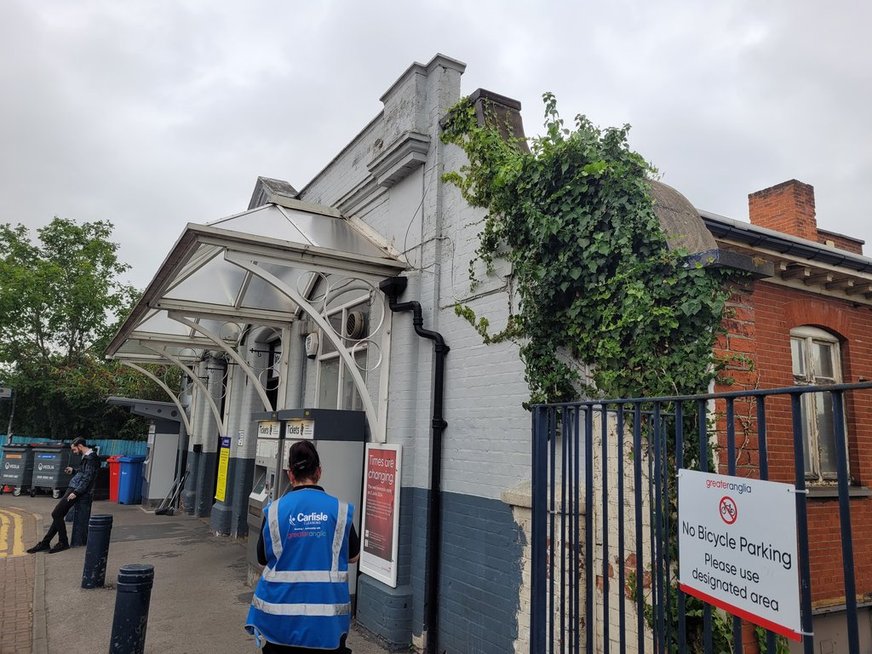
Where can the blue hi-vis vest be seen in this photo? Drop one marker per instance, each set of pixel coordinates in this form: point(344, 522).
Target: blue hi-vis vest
point(302, 597)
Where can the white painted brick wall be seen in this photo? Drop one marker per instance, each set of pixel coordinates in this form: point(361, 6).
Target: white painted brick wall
point(487, 442)
point(520, 499)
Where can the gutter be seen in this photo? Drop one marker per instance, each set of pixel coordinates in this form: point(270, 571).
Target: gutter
point(393, 287)
point(727, 228)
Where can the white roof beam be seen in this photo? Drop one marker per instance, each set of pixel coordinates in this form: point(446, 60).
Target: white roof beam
point(198, 383)
point(162, 384)
point(233, 354)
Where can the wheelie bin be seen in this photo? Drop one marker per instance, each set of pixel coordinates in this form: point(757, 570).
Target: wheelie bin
point(130, 479)
point(49, 463)
point(114, 463)
point(16, 468)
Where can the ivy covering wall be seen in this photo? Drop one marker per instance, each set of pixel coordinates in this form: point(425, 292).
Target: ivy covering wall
point(605, 308)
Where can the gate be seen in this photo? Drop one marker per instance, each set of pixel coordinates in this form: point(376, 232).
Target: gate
point(604, 564)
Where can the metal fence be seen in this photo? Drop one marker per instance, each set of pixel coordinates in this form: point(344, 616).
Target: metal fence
point(604, 564)
point(106, 446)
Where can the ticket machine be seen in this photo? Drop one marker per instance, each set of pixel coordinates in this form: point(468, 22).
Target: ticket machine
point(339, 437)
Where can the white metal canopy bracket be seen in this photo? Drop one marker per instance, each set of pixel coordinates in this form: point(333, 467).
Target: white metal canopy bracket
point(222, 428)
point(233, 354)
point(167, 390)
point(248, 262)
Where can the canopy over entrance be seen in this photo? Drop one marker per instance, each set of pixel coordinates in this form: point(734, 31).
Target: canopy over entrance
point(258, 268)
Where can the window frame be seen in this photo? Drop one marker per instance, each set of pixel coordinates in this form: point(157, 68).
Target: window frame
point(354, 346)
point(808, 376)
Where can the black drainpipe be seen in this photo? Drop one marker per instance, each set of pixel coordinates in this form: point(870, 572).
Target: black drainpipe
point(393, 287)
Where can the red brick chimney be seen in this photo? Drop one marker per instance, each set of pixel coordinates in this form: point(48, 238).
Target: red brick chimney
point(787, 207)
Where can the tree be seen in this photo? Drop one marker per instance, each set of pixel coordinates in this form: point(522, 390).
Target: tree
point(60, 300)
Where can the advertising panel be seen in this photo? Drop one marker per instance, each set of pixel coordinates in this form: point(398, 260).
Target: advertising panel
point(737, 548)
point(381, 512)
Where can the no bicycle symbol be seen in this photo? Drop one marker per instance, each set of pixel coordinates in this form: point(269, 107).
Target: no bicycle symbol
point(729, 510)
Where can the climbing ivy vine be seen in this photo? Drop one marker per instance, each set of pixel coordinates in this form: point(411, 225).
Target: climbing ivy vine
point(605, 308)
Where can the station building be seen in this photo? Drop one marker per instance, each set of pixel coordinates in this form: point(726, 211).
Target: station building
point(328, 313)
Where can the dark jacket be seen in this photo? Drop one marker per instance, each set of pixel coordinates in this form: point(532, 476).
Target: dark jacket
point(86, 474)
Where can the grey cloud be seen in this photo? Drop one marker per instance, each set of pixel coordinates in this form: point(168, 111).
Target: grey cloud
point(153, 114)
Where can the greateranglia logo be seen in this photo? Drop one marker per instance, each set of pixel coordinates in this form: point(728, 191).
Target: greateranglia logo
point(741, 488)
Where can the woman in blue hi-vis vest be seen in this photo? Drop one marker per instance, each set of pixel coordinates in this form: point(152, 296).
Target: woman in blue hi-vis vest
point(301, 603)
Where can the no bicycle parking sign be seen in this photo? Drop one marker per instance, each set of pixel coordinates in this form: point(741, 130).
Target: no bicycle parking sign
point(737, 548)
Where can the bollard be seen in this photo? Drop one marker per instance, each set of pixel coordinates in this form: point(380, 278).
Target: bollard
point(131, 609)
point(97, 551)
point(81, 520)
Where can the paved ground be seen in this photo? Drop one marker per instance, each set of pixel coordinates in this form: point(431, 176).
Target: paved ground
point(17, 571)
point(198, 603)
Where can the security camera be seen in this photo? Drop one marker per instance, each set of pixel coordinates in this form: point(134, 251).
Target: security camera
point(312, 345)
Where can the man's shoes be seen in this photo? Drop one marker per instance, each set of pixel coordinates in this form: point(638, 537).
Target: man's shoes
point(39, 547)
point(60, 547)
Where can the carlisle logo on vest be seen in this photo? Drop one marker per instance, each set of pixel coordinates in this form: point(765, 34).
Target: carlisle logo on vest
point(309, 520)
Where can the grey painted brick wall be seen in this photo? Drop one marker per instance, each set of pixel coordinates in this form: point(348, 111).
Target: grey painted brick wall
point(479, 584)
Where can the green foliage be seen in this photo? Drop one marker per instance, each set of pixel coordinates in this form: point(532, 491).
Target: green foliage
point(596, 282)
point(781, 644)
point(605, 307)
point(60, 301)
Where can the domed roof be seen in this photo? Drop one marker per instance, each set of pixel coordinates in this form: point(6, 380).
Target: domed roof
point(680, 220)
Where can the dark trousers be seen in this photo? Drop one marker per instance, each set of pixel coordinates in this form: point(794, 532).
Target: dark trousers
point(57, 520)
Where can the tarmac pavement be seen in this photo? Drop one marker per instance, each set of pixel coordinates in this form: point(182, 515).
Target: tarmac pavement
point(198, 603)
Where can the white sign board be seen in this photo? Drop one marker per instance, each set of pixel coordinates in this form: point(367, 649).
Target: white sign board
point(737, 548)
point(381, 512)
point(298, 428)
point(268, 429)
point(5, 393)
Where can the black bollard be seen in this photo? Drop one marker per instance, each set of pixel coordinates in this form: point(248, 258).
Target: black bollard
point(131, 609)
point(81, 520)
point(97, 551)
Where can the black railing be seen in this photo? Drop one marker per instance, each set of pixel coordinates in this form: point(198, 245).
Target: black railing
point(631, 543)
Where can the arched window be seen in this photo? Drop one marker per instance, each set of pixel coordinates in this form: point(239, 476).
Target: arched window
point(816, 360)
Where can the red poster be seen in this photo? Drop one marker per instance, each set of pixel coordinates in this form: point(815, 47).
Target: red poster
point(381, 481)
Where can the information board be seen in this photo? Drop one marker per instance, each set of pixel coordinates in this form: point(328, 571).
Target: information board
point(381, 512)
point(223, 461)
point(737, 548)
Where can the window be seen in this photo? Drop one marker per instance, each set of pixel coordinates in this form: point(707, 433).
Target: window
point(336, 388)
point(273, 372)
point(816, 360)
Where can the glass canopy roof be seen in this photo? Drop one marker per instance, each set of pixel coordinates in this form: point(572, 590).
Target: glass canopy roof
point(200, 290)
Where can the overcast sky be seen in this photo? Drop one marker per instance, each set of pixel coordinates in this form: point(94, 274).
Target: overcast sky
point(153, 114)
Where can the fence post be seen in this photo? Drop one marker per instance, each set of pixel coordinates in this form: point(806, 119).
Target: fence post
point(538, 545)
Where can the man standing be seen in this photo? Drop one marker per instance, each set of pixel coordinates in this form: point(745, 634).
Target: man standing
point(80, 485)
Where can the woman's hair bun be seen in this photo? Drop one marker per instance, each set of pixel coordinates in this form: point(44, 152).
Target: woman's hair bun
point(304, 459)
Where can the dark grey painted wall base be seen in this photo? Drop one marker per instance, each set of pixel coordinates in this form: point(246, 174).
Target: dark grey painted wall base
point(198, 495)
point(189, 493)
point(385, 611)
point(479, 584)
point(243, 474)
point(219, 519)
point(229, 518)
point(205, 484)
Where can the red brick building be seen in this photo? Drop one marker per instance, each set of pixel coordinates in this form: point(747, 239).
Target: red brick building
point(808, 321)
